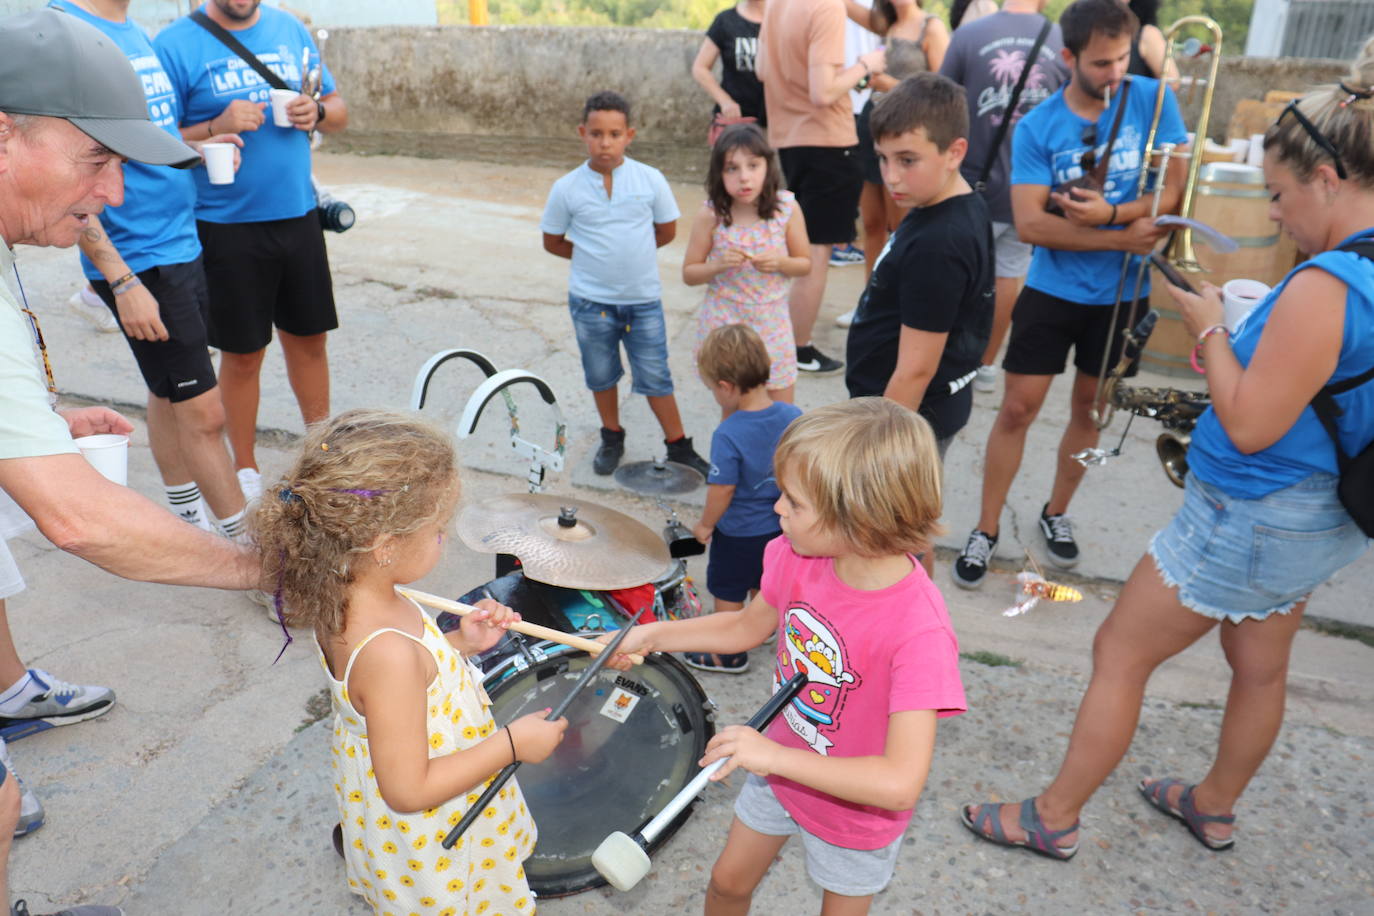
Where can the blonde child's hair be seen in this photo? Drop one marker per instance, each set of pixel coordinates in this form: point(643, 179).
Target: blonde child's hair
point(734, 353)
point(361, 476)
point(1343, 113)
point(871, 469)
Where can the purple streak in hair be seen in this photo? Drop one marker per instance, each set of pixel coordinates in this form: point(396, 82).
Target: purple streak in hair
point(365, 494)
point(277, 604)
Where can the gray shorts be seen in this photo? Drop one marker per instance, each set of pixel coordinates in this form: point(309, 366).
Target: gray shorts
point(848, 872)
point(1013, 256)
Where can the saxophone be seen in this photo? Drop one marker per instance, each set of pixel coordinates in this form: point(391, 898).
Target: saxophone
point(1177, 410)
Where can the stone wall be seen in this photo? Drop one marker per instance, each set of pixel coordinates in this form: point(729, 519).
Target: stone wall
point(452, 90)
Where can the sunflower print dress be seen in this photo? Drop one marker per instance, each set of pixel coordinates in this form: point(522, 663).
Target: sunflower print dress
point(397, 861)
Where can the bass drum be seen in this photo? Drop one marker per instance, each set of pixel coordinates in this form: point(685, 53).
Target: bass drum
point(633, 742)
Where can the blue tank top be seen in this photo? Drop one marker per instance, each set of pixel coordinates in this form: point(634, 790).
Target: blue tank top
point(1305, 449)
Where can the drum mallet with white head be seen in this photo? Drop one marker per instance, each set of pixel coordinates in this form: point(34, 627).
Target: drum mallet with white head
point(508, 771)
point(624, 860)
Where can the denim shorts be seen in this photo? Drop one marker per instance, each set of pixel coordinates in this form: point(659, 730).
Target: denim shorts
point(1233, 559)
point(600, 330)
point(838, 869)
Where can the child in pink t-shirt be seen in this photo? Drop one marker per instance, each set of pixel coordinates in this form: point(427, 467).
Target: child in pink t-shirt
point(853, 609)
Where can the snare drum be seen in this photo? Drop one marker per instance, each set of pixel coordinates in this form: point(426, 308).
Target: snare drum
point(633, 742)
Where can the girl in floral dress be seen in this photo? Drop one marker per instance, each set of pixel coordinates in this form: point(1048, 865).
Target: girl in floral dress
point(748, 239)
point(363, 510)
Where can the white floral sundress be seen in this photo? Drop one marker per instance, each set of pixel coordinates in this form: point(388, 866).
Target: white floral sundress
point(396, 861)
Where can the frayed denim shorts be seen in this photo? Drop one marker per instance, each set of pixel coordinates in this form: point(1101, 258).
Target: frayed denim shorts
point(602, 328)
point(1233, 559)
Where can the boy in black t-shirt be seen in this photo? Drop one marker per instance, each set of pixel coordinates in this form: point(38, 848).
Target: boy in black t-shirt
point(926, 314)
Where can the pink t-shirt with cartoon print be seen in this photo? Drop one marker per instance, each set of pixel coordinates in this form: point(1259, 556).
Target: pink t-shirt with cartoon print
point(869, 654)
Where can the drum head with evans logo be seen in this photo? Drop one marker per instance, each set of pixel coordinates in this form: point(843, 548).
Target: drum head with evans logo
point(633, 742)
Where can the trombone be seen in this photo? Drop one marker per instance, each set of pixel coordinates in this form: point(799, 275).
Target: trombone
point(1179, 248)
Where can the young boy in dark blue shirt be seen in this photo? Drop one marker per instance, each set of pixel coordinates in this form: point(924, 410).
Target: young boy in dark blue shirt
point(739, 519)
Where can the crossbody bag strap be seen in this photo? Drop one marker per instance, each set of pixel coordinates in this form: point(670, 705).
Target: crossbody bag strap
point(1324, 404)
point(1010, 111)
point(233, 44)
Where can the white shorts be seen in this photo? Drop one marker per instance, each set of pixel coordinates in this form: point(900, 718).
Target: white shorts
point(13, 521)
point(1012, 255)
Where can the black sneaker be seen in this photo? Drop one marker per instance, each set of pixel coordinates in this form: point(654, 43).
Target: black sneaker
point(727, 663)
point(809, 359)
point(609, 454)
point(681, 452)
point(1058, 532)
point(972, 563)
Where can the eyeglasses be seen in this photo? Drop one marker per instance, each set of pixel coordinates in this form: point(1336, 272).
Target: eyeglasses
point(1317, 137)
point(1089, 160)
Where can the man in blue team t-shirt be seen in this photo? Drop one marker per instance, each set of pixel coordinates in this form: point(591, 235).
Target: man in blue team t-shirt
point(265, 259)
point(1072, 284)
point(143, 259)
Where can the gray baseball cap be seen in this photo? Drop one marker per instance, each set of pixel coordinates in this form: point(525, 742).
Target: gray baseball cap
point(53, 64)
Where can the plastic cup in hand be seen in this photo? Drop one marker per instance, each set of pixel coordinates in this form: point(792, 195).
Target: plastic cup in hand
point(108, 453)
point(219, 162)
point(1238, 297)
point(280, 99)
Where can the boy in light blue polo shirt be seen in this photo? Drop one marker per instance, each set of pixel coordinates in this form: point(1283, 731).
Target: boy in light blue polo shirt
point(609, 216)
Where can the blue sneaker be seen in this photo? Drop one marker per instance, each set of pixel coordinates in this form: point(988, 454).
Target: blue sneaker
point(844, 255)
point(60, 703)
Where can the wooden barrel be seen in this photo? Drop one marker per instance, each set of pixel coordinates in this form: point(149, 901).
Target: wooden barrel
point(1232, 199)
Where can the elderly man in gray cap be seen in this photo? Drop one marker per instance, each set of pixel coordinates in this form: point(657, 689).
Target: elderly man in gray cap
point(71, 111)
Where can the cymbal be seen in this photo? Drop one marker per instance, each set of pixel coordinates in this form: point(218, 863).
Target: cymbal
point(564, 541)
point(658, 478)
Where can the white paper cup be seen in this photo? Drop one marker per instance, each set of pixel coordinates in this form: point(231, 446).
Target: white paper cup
point(108, 453)
point(219, 162)
point(280, 99)
point(1255, 154)
point(1238, 297)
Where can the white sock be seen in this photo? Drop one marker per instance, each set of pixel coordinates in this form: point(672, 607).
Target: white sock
point(19, 693)
point(235, 527)
point(186, 502)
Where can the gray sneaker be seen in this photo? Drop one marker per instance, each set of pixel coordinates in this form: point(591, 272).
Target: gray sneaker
point(30, 809)
point(60, 703)
point(21, 908)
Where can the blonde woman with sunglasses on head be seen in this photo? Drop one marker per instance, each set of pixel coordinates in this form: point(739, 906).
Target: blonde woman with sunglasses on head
point(1261, 525)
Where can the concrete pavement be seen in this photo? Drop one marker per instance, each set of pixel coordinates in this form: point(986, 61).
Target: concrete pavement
point(204, 791)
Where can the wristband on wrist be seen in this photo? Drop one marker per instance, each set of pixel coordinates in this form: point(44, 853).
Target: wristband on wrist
point(320, 112)
point(125, 285)
point(511, 739)
point(1112, 220)
point(124, 279)
point(209, 128)
point(1194, 360)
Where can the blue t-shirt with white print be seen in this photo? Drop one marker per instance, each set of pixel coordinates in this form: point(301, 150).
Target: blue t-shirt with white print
point(274, 180)
point(1047, 148)
point(156, 223)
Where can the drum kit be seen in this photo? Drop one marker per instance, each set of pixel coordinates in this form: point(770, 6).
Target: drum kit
point(633, 737)
point(575, 569)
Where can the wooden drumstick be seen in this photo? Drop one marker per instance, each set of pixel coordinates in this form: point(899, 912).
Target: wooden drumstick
point(590, 646)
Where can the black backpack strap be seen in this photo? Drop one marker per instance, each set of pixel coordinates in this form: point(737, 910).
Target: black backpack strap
point(233, 44)
point(1324, 404)
point(1010, 111)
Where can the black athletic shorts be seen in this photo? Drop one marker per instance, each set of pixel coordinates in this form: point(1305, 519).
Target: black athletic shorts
point(827, 182)
point(179, 367)
point(1044, 327)
point(265, 274)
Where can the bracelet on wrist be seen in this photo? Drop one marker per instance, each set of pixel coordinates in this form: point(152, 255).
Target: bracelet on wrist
point(1195, 359)
point(124, 279)
point(125, 285)
point(1111, 221)
point(511, 739)
point(209, 128)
